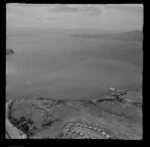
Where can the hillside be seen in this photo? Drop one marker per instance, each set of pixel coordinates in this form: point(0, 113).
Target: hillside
point(116, 116)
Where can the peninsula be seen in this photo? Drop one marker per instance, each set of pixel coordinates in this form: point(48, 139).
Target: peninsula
point(124, 36)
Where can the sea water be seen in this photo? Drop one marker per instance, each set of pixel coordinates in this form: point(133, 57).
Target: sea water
point(53, 64)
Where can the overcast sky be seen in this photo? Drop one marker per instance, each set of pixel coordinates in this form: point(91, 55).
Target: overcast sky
point(103, 17)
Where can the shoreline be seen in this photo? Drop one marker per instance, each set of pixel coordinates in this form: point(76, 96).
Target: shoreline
point(105, 94)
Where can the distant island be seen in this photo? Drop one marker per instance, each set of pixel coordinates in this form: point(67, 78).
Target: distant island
point(124, 36)
point(9, 51)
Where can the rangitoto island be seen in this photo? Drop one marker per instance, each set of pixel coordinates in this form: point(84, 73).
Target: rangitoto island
point(9, 51)
point(116, 116)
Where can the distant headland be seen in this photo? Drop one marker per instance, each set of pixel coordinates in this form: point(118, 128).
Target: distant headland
point(124, 36)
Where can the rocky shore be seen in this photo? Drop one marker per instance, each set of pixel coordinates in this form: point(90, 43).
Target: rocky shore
point(116, 116)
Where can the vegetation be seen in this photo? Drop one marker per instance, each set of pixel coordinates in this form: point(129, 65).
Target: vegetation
point(115, 108)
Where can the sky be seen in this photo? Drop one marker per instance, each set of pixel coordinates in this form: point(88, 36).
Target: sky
point(75, 16)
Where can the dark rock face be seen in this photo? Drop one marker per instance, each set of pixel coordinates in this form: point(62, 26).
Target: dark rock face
point(9, 51)
point(113, 117)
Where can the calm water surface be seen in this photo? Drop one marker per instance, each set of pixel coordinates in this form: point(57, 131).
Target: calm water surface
point(56, 65)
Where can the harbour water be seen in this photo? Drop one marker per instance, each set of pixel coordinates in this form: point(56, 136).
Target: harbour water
point(53, 64)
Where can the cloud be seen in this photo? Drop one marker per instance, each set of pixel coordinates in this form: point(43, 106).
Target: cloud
point(126, 7)
point(63, 8)
point(91, 10)
point(46, 18)
point(104, 16)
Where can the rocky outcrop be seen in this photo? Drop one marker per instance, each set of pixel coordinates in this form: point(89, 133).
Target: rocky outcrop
point(112, 117)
